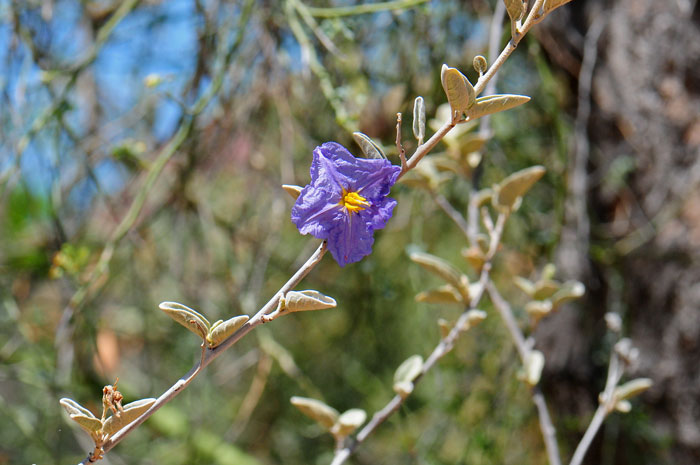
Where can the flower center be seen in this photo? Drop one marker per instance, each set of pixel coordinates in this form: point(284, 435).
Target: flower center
point(353, 201)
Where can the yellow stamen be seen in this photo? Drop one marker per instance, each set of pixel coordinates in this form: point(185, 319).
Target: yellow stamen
point(353, 201)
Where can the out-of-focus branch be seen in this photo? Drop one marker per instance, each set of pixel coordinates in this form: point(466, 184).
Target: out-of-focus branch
point(546, 424)
point(209, 355)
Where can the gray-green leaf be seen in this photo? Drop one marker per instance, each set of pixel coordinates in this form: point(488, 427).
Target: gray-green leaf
point(419, 119)
point(301, 301)
point(409, 369)
point(74, 408)
point(367, 145)
point(444, 270)
point(131, 412)
point(570, 290)
point(460, 92)
point(495, 103)
point(515, 186)
point(187, 317)
point(446, 294)
point(316, 410)
point(348, 422)
point(221, 330)
point(632, 388)
point(515, 9)
point(293, 191)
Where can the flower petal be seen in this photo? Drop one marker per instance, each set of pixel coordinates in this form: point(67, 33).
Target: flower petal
point(379, 213)
point(315, 212)
point(333, 164)
point(350, 240)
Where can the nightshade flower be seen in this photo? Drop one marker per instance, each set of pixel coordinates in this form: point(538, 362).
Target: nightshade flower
point(346, 201)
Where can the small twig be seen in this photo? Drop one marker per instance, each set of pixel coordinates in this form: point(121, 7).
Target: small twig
point(451, 211)
point(606, 406)
point(210, 354)
point(399, 145)
point(445, 345)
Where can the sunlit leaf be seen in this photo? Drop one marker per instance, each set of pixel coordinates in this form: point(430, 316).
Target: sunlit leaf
point(301, 301)
point(444, 270)
point(550, 5)
point(460, 93)
point(515, 186)
point(348, 422)
point(480, 64)
point(570, 290)
point(446, 294)
point(632, 388)
point(419, 118)
point(221, 330)
point(367, 145)
point(130, 413)
point(187, 317)
point(534, 363)
point(316, 410)
point(74, 408)
point(515, 9)
point(495, 103)
point(409, 369)
point(293, 191)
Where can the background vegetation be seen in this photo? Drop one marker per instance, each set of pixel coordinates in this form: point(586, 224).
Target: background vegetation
point(142, 149)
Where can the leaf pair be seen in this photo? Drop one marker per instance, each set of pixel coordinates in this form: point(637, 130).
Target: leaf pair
point(463, 101)
point(194, 321)
point(97, 429)
point(339, 425)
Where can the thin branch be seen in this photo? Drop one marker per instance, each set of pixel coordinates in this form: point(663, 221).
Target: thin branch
point(444, 347)
point(606, 406)
point(212, 354)
point(452, 212)
point(546, 424)
point(399, 145)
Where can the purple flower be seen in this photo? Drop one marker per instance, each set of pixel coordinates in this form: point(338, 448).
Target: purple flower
point(346, 201)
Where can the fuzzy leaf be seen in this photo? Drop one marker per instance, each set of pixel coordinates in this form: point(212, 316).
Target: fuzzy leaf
point(403, 389)
point(419, 118)
point(623, 406)
point(632, 388)
point(570, 290)
point(444, 270)
point(444, 326)
point(475, 316)
point(301, 301)
point(446, 294)
point(221, 330)
point(409, 369)
point(460, 92)
point(293, 191)
point(515, 186)
point(348, 422)
point(480, 64)
point(550, 5)
point(90, 424)
point(74, 408)
point(367, 145)
point(534, 363)
point(515, 9)
point(545, 288)
point(131, 412)
point(525, 285)
point(187, 317)
point(495, 103)
point(316, 410)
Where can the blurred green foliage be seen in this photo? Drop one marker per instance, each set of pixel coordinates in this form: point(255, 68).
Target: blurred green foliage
point(214, 233)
